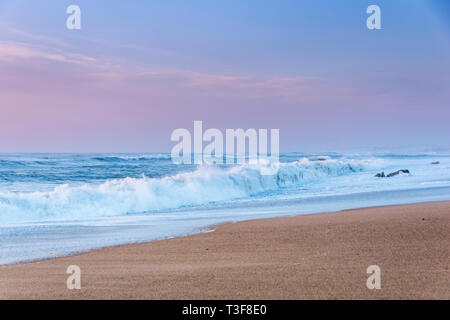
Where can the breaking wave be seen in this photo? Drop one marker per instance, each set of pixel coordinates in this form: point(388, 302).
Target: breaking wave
point(201, 187)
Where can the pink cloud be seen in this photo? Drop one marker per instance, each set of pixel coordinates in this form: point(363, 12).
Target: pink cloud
point(122, 74)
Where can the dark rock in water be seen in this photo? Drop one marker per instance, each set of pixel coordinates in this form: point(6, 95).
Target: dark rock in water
point(392, 174)
point(435, 162)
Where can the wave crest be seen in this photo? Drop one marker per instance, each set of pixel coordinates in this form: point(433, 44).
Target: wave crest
point(203, 186)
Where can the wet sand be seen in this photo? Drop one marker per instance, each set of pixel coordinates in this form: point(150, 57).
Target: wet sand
point(319, 256)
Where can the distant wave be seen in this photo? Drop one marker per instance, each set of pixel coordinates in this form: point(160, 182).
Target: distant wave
point(133, 157)
point(7, 163)
point(136, 195)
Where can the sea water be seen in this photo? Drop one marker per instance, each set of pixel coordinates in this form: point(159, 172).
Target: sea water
point(58, 204)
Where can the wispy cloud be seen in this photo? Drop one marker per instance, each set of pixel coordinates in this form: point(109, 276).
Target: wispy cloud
point(130, 75)
point(17, 52)
point(37, 37)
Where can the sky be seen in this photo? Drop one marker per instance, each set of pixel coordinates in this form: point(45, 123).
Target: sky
point(137, 70)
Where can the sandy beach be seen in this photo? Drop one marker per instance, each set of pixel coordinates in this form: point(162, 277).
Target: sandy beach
point(318, 256)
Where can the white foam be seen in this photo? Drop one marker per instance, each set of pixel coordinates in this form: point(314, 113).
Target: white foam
point(136, 195)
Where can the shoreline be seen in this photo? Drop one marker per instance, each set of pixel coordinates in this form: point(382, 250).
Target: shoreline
point(210, 227)
point(258, 253)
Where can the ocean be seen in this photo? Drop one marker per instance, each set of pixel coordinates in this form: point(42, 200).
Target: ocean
point(59, 204)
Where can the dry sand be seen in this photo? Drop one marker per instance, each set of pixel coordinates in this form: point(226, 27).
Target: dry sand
point(301, 257)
